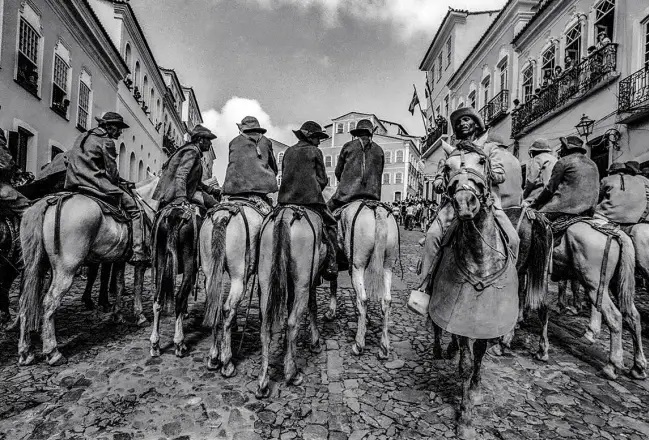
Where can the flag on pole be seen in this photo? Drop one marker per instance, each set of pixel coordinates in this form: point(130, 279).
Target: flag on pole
point(413, 103)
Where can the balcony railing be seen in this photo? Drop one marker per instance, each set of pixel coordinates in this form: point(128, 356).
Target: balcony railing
point(168, 145)
point(496, 108)
point(441, 128)
point(634, 92)
point(573, 83)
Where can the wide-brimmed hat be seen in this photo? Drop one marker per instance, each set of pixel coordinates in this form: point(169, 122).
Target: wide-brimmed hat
point(633, 167)
point(617, 167)
point(250, 124)
point(363, 128)
point(571, 143)
point(541, 145)
point(470, 112)
point(310, 129)
point(200, 131)
point(112, 118)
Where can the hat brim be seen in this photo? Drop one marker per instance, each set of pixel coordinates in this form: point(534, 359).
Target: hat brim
point(254, 130)
point(210, 136)
point(361, 131)
point(119, 124)
point(317, 134)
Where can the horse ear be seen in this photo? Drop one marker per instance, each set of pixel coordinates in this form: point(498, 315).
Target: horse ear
point(448, 149)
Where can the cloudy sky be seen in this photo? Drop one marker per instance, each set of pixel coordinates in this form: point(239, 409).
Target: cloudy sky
point(287, 61)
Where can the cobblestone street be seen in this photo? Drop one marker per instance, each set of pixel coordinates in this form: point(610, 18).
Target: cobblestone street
point(111, 389)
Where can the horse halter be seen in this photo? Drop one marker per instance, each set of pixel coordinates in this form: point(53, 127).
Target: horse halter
point(483, 178)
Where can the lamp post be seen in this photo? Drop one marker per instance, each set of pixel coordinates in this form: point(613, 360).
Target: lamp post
point(585, 127)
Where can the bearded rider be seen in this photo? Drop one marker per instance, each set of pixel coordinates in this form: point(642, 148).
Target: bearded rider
point(303, 179)
point(92, 170)
point(12, 202)
point(182, 174)
point(469, 130)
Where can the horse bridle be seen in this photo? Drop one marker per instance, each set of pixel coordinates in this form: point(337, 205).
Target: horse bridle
point(484, 178)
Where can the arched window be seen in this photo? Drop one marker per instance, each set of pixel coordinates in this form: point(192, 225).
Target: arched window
point(55, 152)
point(148, 172)
point(136, 79)
point(123, 160)
point(157, 108)
point(388, 157)
point(461, 104)
point(471, 99)
point(85, 100)
point(573, 44)
point(527, 83)
point(145, 89)
point(605, 18)
point(132, 169)
point(280, 158)
point(30, 48)
point(328, 161)
point(386, 178)
point(151, 102)
point(127, 55)
point(486, 86)
point(398, 178)
point(399, 156)
point(548, 62)
point(140, 171)
point(503, 71)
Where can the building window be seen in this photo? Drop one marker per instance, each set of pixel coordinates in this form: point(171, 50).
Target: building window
point(573, 44)
point(528, 83)
point(446, 106)
point(438, 111)
point(397, 196)
point(398, 178)
point(85, 93)
point(340, 128)
point(472, 98)
point(398, 156)
point(439, 67)
point(18, 145)
point(388, 157)
point(548, 61)
point(461, 104)
point(448, 53)
point(280, 158)
point(60, 101)
point(646, 45)
point(605, 18)
point(328, 161)
point(140, 170)
point(504, 75)
point(352, 125)
point(55, 152)
point(386, 178)
point(132, 170)
point(127, 55)
point(328, 180)
point(29, 41)
point(486, 85)
point(136, 80)
point(145, 88)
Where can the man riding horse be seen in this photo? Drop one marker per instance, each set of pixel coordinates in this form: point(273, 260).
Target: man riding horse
point(92, 170)
point(469, 129)
point(622, 197)
point(511, 189)
point(303, 180)
point(539, 169)
point(252, 169)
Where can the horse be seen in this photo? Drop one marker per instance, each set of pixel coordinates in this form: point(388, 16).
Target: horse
point(9, 262)
point(474, 287)
point(369, 235)
point(228, 243)
point(175, 251)
point(291, 255)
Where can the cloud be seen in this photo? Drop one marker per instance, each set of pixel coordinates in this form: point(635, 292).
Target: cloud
point(409, 17)
point(224, 124)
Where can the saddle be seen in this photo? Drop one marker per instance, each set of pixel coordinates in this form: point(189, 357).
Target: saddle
point(259, 204)
point(372, 204)
point(116, 212)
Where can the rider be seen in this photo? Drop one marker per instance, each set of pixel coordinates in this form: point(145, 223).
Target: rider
point(622, 197)
point(182, 173)
point(573, 188)
point(511, 190)
point(252, 169)
point(303, 179)
point(92, 169)
point(539, 169)
point(469, 130)
point(10, 199)
point(360, 168)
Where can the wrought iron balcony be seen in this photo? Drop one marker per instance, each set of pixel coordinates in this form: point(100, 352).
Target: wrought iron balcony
point(440, 129)
point(168, 145)
point(574, 83)
point(634, 92)
point(496, 108)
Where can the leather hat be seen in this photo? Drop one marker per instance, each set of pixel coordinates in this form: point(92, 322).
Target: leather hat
point(541, 145)
point(633, 167)
point(250, 124)
point(572, 143)
point(112, 118)
point(200, 131)
point(470, 112)
point(617, 167)
point(310, 129)
point(363, 128)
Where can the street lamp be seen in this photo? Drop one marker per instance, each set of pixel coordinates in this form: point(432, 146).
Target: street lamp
point(585, 127)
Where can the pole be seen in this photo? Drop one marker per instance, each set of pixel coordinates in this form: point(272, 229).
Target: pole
point(421, 112)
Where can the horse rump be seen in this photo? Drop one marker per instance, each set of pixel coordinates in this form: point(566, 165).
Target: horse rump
point(279, 272)
point(214, 289)
point(374, 278)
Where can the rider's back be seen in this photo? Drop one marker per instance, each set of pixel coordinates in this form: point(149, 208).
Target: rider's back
point(303, 175)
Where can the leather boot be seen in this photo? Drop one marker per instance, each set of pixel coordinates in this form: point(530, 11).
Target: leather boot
point(140, 255)
point(331, 268)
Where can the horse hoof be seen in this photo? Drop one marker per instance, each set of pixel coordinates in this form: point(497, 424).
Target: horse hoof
point(637, 373)
point(297, 379)
point(181, 350)
point(90, 305)
point(329, 315)
point(155, 350)
point(141, 320)
point(588, 337)
point(384, 353)
point(105, 307)
point(315, 347)
point(212, 364)
point(609, 372)
point(466, 432)
point(541, 356)
point(356, 350)
point(25, 359)
point(229, 370)
point(56, 358)
point(262, 393)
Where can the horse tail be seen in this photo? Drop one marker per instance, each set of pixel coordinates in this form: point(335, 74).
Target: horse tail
point(375, 277)
point(166, 280)
point(279, 273)
point(33, 245)
point(214, 289)
point(625, 284)
point(538, 266)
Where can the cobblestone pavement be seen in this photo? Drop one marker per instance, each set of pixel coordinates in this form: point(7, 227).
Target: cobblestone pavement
point(111, 389)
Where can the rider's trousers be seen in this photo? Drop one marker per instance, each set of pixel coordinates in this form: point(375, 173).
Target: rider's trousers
point(133, 210)
point(438, 229)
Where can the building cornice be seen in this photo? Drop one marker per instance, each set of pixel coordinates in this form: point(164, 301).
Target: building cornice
point(192, 99)
point(547, 12)
point(175, 80)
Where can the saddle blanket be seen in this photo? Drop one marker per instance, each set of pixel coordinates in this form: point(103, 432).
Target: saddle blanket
point(117, 213)
point(372, 204)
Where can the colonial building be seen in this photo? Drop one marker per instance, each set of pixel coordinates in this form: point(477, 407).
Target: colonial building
point(191, 116)
point(58, 70)
point(402, 174)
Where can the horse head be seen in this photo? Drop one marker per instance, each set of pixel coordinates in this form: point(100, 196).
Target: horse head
point(468, 182)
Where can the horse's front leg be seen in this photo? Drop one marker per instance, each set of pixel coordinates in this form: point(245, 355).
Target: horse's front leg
point(330, 314)
point(230, 307)
point(182, 299)
point(437, 344)
point(465, 429)
point(93, 271)
point(117, 278)
point(544, 342)
point(138, 287)
point(61, 282)
point(594, 325)
point(155, 330)
point(358, 281)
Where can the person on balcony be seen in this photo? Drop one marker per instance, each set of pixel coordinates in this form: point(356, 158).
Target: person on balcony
point(602, 40)
point(539, 170)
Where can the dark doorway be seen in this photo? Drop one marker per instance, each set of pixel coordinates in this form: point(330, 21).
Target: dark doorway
point(599, 155)
point(18, 144)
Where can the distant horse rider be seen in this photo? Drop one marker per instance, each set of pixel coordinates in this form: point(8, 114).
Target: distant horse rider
point(252, 169)
point(303, 179)
point(12, 203)
point(539, 169)
point(92, 170)
point(622, 197)
point(469, 130)
point(182, 174)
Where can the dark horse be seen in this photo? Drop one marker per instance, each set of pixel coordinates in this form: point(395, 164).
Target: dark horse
point(175, 234)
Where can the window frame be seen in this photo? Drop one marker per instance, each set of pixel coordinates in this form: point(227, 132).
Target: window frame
point(548, 63)
point(383, 179)
point(486, 89)
point(88, 85)
point(340, 128)
point(597, 20)
point(448, 52)
point(645, 44)
point(525, 95)
point(398, 178)
point(58, 63)
point(472, 98)
point(328, 161)
point(396, 156)
point(503, 73)
point(578, 41)
point(387, 157)
point(37, 62)
point(439, 67)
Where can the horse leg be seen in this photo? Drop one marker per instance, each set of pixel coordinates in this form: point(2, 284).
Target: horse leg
point(213, 361)
point(632, 319)
point(265, 332)
point(437, 344)
point(475, 389)
point(453, 347)
point(330, 314)
point(6, 280)
point(155, 331)
point(386, 301)
point(229, 318)
point(117, 278)
point(316, 346)
point(358, 281)
point(292, 375)
point(613, 319)
point(544, 343)
point(138, 286)
point(107, 284)
point(594, 325)
point(189, 278)
point(61, 282)
point(93, 270)
point(464, 429)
